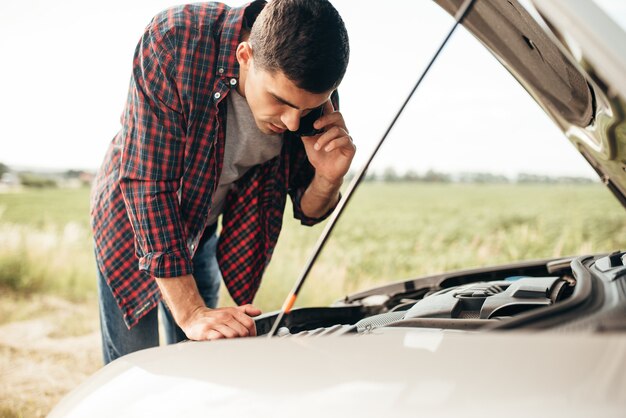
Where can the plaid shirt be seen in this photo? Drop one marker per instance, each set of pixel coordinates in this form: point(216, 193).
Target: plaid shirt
point(152, 195)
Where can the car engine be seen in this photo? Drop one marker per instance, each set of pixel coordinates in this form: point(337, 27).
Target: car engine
point(539, 295)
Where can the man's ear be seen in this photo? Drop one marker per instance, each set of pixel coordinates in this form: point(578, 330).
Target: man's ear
point(244, 54)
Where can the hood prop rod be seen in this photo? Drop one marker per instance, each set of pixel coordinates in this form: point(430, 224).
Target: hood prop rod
point(291, 299)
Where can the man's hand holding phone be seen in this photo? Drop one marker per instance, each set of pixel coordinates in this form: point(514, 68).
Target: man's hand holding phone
point(331, 151)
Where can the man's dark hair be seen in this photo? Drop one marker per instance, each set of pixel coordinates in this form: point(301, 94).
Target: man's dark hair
point(304, 39)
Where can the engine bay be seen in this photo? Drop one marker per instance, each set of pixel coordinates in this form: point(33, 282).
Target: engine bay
point(522, 295)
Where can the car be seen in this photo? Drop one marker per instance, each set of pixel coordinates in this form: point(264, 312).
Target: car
point(532, 338)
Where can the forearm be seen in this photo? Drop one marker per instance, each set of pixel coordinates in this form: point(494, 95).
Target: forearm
point(181, 296)
point(320, 196)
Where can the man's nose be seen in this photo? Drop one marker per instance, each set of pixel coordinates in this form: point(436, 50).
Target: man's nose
point(291, 119)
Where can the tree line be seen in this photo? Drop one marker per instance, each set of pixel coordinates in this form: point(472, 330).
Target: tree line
point(388, 175)
point(40, 179)
point(391, 175)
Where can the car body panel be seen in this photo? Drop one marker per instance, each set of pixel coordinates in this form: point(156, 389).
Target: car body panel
point(390, 372)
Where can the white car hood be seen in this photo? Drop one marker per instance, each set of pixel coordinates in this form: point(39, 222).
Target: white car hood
point(393, 372)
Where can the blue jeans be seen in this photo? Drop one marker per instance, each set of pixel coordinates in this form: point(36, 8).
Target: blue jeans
point(118, 340)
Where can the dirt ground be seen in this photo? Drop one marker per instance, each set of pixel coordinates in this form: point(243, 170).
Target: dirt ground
point(48, 346)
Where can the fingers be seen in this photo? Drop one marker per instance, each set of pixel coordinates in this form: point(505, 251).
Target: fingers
point(250, 310)
point(336, 130)
point(212, 335)
point(245, 312)
point(344, 142)
point(330, 119)
point(246, 322)
point(232, 329)
point(334, 134)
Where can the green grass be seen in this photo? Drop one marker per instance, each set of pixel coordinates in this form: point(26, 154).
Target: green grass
point(45, 207)
point(389, 232)
point(397, 231)
point(45, 242)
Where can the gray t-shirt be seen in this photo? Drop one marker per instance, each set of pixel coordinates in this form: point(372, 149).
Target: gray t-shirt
point(246, 146)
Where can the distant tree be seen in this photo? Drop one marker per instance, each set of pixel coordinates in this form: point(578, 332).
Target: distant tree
point(370, 176)
point(433, 176)
point(529, 178)
point(390, 175)
point(482, 177)
point(537, 178)
point(575, 180)
point(72, 174)
point(411, 175)
point(4, 169)
point(36, 181)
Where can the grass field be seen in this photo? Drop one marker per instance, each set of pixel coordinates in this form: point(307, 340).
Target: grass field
point(389, 232)
point(48, 305)
point(45, 242)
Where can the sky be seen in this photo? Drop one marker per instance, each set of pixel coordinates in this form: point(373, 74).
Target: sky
point(66, 66)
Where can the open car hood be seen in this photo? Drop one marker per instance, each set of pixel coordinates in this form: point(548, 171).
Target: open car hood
point(572, 63)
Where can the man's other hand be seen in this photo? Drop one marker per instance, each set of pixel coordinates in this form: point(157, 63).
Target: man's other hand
point(212, 324)
point(199, 322)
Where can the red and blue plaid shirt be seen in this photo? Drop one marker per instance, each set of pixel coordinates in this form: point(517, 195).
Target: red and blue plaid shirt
point(151, 199)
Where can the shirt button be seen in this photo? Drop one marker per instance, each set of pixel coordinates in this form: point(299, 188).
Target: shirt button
point(193, 247)
point(217, 95)
point(233, 81)
point(221, 71)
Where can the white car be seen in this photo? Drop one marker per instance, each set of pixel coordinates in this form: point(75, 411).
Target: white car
point(535, 338)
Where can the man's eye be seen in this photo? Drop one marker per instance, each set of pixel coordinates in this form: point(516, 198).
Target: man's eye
point(276, 100)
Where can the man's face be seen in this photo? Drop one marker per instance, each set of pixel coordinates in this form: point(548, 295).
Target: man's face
point(277, 104)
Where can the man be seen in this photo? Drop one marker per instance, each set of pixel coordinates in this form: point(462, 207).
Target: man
point(214, 98)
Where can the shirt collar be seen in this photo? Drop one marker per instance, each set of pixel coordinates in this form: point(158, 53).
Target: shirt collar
point(227, 65)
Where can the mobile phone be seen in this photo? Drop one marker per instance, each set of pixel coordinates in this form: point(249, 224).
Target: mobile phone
point(306, 123)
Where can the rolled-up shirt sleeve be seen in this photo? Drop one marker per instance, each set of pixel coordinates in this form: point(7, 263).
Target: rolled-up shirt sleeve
point(299, 214)
point(152, 157)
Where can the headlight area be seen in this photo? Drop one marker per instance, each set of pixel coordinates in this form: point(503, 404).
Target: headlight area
point(538, 295)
